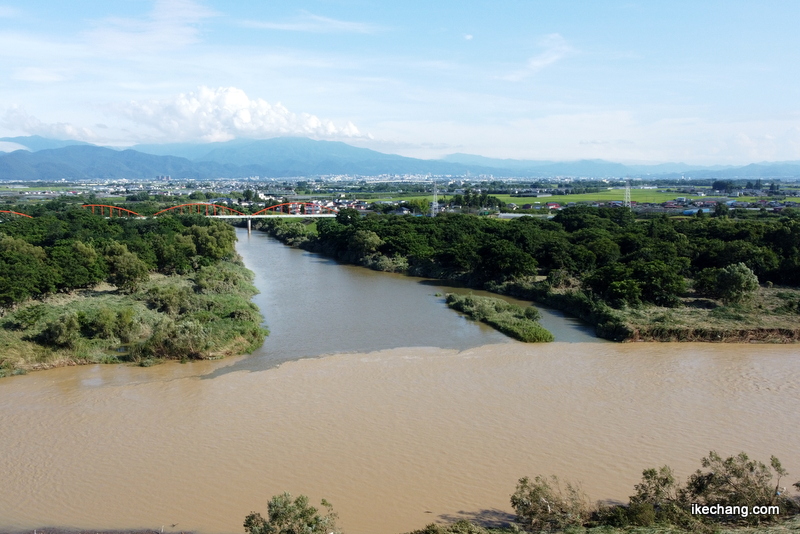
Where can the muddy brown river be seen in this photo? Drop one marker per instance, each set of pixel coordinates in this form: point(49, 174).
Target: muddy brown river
point(372, 394)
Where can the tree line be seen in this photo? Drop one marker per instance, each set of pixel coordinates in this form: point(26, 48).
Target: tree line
point(618, 259)
point(59, 251)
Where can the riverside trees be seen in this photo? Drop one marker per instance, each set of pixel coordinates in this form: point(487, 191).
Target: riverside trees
point(613, 257)
point(200, 309)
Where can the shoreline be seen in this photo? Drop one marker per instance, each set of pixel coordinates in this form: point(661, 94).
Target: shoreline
point(609, 323)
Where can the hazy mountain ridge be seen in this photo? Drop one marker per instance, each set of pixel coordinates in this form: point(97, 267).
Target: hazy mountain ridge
point(296, 156)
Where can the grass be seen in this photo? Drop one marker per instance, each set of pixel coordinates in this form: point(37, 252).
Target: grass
point(173, 317)
point(510, 319)
point(772, 315)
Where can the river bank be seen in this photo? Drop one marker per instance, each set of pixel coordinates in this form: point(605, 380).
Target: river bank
point(771, 315)
point(206, 314)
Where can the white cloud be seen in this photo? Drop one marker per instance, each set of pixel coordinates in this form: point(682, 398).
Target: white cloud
point(314, 24)
point(226, 113)
point(555, 49)
point(18, 120)
point(6, 146)
point(468, 36)
point(34, 74)
point(171, 24)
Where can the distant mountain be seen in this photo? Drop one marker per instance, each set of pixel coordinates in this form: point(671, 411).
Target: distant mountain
point(294, 156)
point(516, 164)
point(299, 156)
point(34, 143)
point(93, 162)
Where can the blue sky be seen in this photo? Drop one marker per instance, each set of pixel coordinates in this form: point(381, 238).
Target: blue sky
point(632, 81)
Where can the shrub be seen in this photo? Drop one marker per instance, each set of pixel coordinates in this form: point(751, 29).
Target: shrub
point(541, 504)
point(170, 340)
point(737, 481)
point(287, 516)
point(459, 527)
point(736, 283)
point(170, 299)
point(26, 317)
point(64, 331)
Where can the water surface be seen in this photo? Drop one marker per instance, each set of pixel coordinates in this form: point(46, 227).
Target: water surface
point(431, 420)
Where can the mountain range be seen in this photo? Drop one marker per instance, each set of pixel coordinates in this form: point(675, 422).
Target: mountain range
point(38, 158)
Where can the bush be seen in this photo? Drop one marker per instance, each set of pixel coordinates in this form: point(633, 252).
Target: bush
point(541, 504)
point(285, 516)
point(736, 283)
point(459, 527)
point(170, 299)
point(26, 317)
point(64, 331)
point(170, 340)
point(737, 481)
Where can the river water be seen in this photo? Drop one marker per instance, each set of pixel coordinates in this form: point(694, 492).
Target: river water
point(370, 393)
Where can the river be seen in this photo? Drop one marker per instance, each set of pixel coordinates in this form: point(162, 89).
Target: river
point(370, 393)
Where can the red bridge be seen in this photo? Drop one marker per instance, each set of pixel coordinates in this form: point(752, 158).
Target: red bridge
point(7, 213)
point(287, 209)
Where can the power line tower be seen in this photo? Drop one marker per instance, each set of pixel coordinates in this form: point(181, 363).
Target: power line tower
point(627, 201)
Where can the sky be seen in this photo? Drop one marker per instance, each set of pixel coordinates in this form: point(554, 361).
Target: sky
point(700, 82)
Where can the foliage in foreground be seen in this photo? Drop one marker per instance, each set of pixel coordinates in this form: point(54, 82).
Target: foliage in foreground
point(287, 516)
point(510, 319)
point(737, 483)
point(660, 504)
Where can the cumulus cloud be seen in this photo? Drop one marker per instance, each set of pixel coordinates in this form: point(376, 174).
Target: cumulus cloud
point(468, 36)
point(314, 24)
point(17, 119)
point(555, 49)
point(225, 113)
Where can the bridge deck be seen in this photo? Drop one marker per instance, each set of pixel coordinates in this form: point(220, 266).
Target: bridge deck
point(281, 216)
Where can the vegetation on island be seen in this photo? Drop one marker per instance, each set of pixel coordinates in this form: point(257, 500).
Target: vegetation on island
point(738, 494)
point(79, 288)
point(685, 279)
point(510, 319)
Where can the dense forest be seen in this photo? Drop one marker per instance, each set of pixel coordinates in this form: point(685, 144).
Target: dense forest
point(597, 263)
point(76, 287)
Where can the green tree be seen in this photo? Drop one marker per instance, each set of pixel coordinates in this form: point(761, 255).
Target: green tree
point(287, 516)
point(736, 283)
point(348, 216)
point(128, 272)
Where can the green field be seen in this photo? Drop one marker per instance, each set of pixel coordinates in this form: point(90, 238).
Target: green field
point(637, 195)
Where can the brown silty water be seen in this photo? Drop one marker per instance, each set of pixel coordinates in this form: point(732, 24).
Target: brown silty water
point(394, 438)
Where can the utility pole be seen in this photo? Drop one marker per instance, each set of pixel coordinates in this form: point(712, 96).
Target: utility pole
point(435, 203)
